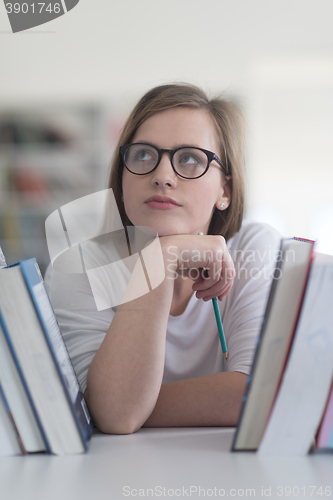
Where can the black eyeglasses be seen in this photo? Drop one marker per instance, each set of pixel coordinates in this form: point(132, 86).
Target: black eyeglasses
point(187, 162)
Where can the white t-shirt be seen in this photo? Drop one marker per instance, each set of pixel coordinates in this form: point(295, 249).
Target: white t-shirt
point(192, 343)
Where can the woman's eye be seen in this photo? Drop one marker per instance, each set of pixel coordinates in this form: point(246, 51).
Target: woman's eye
point(143, 155)
point(188, 159)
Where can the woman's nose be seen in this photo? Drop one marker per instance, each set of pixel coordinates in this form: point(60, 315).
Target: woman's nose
point(164, 174)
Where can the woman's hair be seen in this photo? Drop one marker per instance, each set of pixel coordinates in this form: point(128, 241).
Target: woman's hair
point(230, 133)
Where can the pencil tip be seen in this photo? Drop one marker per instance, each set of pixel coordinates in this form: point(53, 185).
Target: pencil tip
point(226, 355)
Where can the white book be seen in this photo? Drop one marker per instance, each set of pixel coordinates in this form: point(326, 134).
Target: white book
point(17, 400)
point(307, 378)
point(8, 438)
point(278, 328)
point(2, 259)
point(35, 341)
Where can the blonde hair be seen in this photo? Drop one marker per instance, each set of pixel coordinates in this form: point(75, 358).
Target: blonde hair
point(230, 133)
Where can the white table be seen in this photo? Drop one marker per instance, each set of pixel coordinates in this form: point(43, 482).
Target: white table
point(165, 463)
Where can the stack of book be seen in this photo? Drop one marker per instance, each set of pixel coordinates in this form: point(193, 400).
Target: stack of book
point(288, 402)
point(41, 406)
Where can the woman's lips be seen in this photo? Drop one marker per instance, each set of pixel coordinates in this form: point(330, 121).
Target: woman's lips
point(161, 203)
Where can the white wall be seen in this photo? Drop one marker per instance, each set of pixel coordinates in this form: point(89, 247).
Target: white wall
point(275, 55)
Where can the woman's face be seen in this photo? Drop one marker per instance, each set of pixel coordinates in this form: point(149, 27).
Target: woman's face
point(195, 199)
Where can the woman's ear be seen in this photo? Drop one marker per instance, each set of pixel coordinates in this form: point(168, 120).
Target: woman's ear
point(225, 198)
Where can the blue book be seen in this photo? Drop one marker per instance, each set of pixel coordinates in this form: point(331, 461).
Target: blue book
point(35, 341)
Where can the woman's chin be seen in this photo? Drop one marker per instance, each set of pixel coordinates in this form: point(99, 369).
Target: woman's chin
point(170, 229)
point(163, 231)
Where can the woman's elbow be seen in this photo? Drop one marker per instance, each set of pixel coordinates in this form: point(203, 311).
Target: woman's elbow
point(109, 421)
point(117, 426)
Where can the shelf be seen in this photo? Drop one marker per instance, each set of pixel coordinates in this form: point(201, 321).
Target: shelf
point(49, 156)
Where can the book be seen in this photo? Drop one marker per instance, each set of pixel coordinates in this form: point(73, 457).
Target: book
point(36, 344)
point(308, 374)
point(9, 439)
point(3, 262)
point(278, 327)
point(324, 438)
point(18, 401)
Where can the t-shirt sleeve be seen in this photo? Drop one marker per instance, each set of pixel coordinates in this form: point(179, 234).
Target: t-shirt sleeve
point(254, 251)
point(83, 327)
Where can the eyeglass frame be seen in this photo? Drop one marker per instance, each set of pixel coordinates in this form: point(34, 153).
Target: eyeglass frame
point(210, 157)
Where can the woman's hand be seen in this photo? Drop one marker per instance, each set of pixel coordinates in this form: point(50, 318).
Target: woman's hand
point(204, 259)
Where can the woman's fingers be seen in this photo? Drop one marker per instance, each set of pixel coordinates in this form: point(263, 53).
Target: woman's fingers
point(220, 289)
point(204, 259)
point(216, 281)
point(226, 291)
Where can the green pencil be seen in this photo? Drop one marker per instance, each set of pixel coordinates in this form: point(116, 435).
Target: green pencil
point(219, 324)
point(220, 328)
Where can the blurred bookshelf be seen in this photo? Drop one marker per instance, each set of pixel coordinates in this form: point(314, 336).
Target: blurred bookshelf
point(49, 155)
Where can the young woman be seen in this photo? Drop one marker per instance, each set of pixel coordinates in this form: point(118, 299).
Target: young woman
point(157, 360)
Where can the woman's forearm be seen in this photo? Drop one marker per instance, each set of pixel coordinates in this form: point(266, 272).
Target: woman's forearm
point(211, 400)
point(125, 376)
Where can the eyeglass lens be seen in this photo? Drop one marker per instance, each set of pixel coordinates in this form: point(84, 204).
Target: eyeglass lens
point(188, 162)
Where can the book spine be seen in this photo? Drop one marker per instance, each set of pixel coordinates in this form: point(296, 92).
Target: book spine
point(20, 372)
point(278, 266)
point(43, 307)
